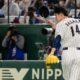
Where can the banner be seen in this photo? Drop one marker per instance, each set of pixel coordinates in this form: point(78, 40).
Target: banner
point(29, 70)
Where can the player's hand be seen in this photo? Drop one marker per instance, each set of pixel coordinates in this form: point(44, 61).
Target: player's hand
point(51, 23)
point(52, 59)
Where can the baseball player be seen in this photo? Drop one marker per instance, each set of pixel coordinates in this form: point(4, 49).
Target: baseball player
point(67, 34)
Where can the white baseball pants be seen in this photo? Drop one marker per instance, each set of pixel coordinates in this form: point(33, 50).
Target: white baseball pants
point(71, 64)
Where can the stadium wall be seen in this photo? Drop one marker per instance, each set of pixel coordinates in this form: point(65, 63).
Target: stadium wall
point(29, 70)
point(32, 34)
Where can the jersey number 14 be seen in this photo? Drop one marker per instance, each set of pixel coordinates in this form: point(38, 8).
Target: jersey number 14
point(77, 30)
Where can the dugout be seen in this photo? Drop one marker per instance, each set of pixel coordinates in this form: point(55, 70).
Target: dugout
point(32, 34)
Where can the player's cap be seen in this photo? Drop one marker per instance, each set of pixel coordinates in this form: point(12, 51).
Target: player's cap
point(59, 9)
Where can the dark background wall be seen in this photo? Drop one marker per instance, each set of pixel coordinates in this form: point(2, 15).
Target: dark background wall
point(32, 34)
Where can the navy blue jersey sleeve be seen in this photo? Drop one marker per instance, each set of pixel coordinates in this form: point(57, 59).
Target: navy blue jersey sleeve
point(56, 43)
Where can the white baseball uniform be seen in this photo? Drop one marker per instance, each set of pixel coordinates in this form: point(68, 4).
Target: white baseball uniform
point(69, 30)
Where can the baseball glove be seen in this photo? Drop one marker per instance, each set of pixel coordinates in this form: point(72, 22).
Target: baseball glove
point(52, 59)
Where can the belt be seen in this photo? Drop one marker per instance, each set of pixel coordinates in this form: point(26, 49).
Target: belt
point(66, 48)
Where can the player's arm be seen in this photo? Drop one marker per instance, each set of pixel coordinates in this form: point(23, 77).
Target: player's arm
point(55, 44)
point(53, 25)
point(52, 58)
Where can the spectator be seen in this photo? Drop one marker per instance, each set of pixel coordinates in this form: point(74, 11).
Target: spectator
point(34, 15)
point(24, 4)
point(78, 2)
point(70, 4)
point(15, 43)
point(62, 3)
point(14, 9)
point(38, 4)
point(34, 18)
point(53, 1)
point(1, 12)
point(17, 1)
point(72, 12)
point(51, 8)
point(1, 3)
